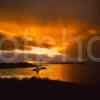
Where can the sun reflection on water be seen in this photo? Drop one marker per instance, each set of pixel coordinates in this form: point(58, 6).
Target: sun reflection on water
point(53, 72)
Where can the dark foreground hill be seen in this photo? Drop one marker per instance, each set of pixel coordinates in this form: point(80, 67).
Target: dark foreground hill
point(44, 89)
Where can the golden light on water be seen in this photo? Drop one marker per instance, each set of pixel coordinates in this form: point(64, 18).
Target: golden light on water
point(53, 72)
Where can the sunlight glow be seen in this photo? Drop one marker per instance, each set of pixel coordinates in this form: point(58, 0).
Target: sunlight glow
point(40, 51)
point(44, 51)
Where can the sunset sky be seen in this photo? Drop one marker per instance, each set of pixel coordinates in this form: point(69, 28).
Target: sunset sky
point(40, 26)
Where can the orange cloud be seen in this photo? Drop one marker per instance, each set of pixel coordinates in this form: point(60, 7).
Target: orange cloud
point(46, 37)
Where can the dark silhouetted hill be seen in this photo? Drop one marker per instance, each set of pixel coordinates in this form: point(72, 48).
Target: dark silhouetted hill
point(44, 89)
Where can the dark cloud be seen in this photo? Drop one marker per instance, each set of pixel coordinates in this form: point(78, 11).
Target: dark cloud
point(48, 11)
point(18, 42)
point(47, 45)
point(51, 10)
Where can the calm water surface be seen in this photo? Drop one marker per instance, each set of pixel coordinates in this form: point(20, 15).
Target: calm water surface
point(88, 74)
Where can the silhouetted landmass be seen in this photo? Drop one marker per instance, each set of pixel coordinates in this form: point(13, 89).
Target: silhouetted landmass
point(16, 65)
point(27, 65)
point(71, 62)
point(68, 62)
point(44, 89)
